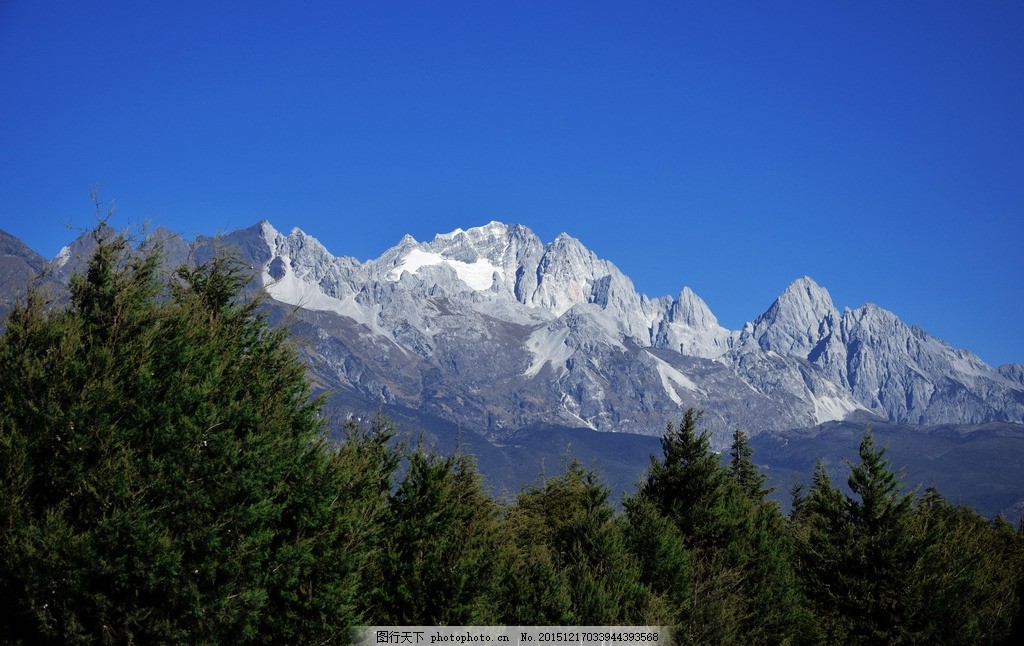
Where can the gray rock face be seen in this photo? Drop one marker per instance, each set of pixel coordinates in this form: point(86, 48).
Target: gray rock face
point(898, 372)
point(909, 376)
point(687, 326)
point(528, 333)
point(493, 330)
point(18, 264)
point(797, 321)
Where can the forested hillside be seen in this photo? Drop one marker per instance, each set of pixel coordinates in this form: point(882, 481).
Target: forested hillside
point(168, 478)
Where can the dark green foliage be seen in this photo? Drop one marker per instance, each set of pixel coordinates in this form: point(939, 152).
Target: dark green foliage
point(743, 587)
point(968, 574)
point(442, 547)
point(883, 557)
point(666, 565)
point(165, 477)
point(824, 535)
point(687, 483)
point(744, 472)
point(856, 554)
point(571, 564)
point(876, 569)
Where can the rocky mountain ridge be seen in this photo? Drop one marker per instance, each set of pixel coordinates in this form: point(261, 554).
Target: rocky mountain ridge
point(493, 330)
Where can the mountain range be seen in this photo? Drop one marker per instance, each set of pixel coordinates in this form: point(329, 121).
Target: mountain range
point(496, 336)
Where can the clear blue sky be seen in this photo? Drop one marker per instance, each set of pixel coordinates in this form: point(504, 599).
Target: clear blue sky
point(731, 147)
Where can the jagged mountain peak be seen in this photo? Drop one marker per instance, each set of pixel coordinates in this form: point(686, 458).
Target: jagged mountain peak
point(75, 256)
point(492, 229)
point(493, 241)
point(565, 241)
point(18, 263)
point(686, 325)
point(512, 260)
point(473, 257)
point(13, 247)
point(873, 311)
point(803, 293)
point(799, 319)
point(481, 238)
point(689, 308)
point(488, 312)
point(302, 245)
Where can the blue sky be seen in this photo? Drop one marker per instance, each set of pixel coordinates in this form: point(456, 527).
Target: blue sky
point(732, 147)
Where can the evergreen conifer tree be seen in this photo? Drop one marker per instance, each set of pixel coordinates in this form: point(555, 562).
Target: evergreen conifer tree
point(443, 546)
point(567, 533)
point(857, 553)
point(966, 580)
point(744, 588)
point(880, 594)
point(687, 484)
point(744, 471)
point(165, 474)
point(666, 565)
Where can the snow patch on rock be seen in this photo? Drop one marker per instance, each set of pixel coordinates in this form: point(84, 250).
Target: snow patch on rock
point(479, 275)
point(293, 289)
point(62, 257)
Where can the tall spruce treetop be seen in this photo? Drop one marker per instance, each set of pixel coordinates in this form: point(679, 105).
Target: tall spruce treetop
point(686, 483)
point(882, 597)
point(858, 553)
point(881, 505)
point(744, 471)
point(443, 547)
point(743, 586)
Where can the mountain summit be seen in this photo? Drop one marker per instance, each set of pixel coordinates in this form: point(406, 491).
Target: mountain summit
point(521, 332)
point(494, 330)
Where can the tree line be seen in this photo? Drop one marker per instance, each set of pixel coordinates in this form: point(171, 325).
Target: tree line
point(167, 477)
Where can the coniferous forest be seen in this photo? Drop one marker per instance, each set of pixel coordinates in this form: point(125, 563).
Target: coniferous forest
point(167, 478)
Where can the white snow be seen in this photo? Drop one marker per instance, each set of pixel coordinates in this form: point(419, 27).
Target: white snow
point(478, 275)
point(293, 289)
point(63, 256)
point(448, 236)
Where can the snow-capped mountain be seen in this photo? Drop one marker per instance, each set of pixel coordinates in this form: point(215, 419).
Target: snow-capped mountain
point(494, 330)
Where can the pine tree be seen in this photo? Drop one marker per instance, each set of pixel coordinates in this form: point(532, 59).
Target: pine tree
point(567, 533)
point(885, 557)
point(744, 589)
point(687, 483)
point(966, 579)
point(166, 477)
point(858, 553)
point(744, 471)
point(666, 565)
point(443, 546)
point(824, 536)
